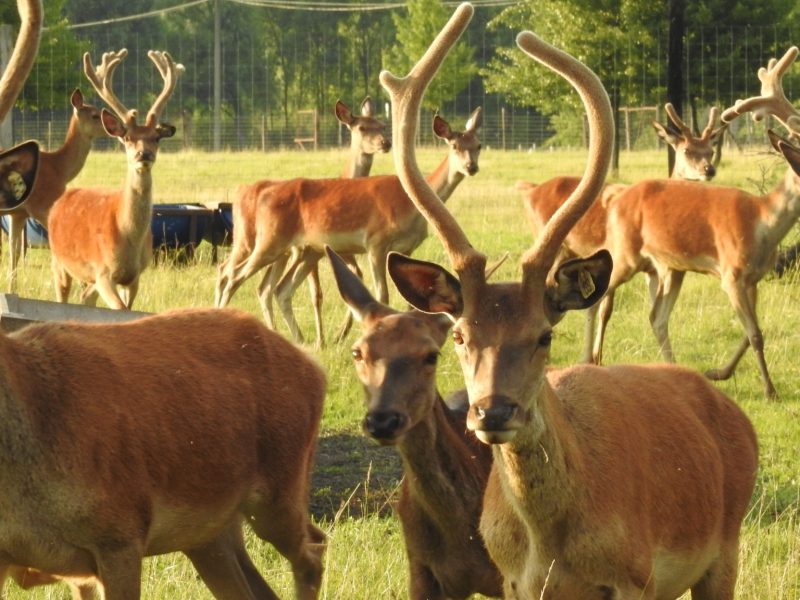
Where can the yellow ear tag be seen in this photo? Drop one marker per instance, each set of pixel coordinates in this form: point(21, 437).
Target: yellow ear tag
point(586, 283)
point(17, 184)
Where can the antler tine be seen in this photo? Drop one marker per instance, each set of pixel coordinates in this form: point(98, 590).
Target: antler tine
point(406, 95)
point(24, 54)
point(772, 100)
point(675, 118)
point(713, 114)
point(539, 259)
point(101, 77)
point(170, 71)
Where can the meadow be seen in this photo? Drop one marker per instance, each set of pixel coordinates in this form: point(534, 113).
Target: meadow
point(365, 557)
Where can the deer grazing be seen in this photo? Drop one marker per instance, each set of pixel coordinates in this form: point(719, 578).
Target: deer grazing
point(670, 227)
point(371, 215)
point(693, 161)
point(142, 452)
point(367, 138)
point(56, 169)
point(620, 482)
point(102, 237)
point(445, 468)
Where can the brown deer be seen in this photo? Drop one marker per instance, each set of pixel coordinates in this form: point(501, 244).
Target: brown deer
point(445, 468)
point(367, 137)
point(56, 169)
point(82, 506)
point(102, 237)
point(626, 482)
point(670, 227)
point(371, 215)
point(694, 160)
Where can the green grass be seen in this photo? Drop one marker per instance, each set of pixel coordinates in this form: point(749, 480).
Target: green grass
point(366, 558)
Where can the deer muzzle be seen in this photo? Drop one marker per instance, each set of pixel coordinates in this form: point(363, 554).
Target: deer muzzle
point(385, 426)
point(494, 419)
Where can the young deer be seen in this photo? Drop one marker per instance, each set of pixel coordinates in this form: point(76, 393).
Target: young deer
point(445, 468)
point(371, 215)
point(102, 237)
point(56, 169)
point(693, 161)
point(624, 482)
point(142, 452)
point(670, 227)
point(367, 138)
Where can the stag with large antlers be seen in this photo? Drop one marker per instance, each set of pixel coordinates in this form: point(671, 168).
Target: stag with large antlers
point(671, 227)
point(626, 482)
point(445, 468)
point(57, 168)
point(367, 138)
point(102, 237)
point(693, 161)
point(371, 215)
point(140, 452)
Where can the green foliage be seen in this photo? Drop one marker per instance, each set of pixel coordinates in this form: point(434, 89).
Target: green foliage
point(414, 32)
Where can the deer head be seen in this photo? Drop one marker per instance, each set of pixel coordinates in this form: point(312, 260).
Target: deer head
point(695, 157)
point(369, 132)
point(502, 331)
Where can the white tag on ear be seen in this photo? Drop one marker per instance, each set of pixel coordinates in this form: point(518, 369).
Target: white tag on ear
point(17, 184)
point(585, 283)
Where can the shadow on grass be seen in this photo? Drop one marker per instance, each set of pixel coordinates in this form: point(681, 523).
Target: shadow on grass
point(353, 476)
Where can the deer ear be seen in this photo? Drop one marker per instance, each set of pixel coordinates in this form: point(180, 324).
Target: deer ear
point(18, 168)
point(665, 135)
point(353, 291)
point(426, 286)
point(165, 130)
point(76, 98)
point(367, 107)
point(475, 120)
point(112, 124)
point(441, 128)
point(789, 151)
point(579, 283)
point(343, 113)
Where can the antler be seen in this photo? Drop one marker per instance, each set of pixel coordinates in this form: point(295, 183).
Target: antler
point(772, 100)
point(406, 95)
point(24, 55)
point(677, 121)
point(170, 71)
point(709, 131)
point(100, 78)
point(539, 259)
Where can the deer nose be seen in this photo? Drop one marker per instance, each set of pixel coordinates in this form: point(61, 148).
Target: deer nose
point(145, 156)
point(386, 145)
point(492, 413)
point(384, 425)
point(472, 168)
point(710, 171)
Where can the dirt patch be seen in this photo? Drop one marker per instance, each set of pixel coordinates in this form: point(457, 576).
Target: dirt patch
point(353, 476)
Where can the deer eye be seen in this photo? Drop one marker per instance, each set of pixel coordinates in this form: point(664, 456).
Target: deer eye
point(458, 338)
point(546, 339)
point(356, 354)
point(432, 358)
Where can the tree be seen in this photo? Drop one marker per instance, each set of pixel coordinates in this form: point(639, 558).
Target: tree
point(415, 31)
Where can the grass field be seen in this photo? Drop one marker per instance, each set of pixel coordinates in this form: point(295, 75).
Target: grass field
point(365, 558)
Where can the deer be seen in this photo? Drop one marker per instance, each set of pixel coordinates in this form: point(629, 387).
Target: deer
point(628, 481)
point(102, 237)
point(57, 168)
point(367, 137)
point(445, 468)
point(695, 160)
point(671, 227)
point(85, 507)
point(371, 215)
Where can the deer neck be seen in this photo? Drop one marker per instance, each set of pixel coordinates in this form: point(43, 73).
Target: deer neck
point(69, 159)
point(441, 470)
point(782, 209)
point(359, 165)
point(136, 208)
point(538, 468)
point(444, 180)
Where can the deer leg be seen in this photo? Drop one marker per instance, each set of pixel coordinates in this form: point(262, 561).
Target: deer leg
point(377, 265)
point(221, 565)
point(120, 572)
point(240, 273)
point(289, 284)
point(605, 308)
point(16, 231)
point(668, 286)
point(129, 292)
point(108, 292)
point(589, 327)
point(266, 289)
point(719, 580)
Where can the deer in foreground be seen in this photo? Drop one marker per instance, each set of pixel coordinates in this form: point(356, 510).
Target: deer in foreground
point(140, 453)
point(371, 215)
point(672, 227)
point(445, 468)
point(367, 138)
point(102, 237)
point(694, 160)
point(56, 169)
point(628, 481)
